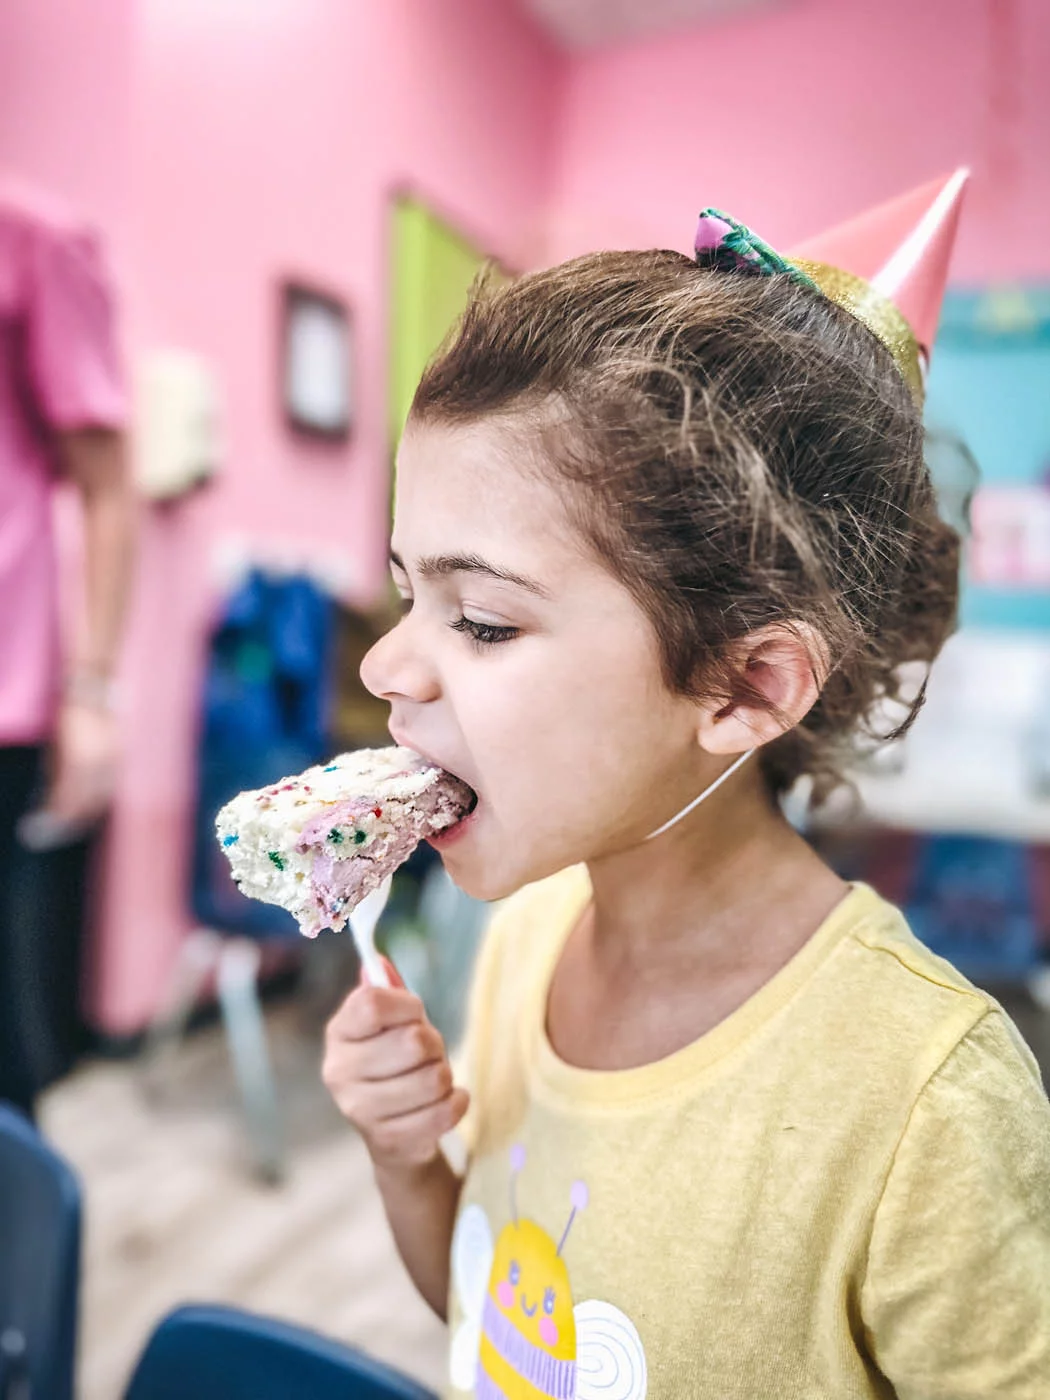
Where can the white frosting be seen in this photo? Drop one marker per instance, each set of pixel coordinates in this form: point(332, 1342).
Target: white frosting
point(272, 851)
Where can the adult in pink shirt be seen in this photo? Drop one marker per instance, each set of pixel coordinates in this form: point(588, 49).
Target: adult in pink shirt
point(62, 414)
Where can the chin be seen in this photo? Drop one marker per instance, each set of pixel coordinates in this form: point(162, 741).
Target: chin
point(480, 884)
point(486, 882)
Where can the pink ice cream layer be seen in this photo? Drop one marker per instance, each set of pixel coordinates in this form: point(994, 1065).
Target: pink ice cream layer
point(339, 883)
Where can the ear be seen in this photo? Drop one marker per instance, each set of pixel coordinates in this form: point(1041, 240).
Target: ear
point(785, 668)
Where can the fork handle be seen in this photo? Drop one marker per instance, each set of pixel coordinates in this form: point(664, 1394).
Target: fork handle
point(374, 967)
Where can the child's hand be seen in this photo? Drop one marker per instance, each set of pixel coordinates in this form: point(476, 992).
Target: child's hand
point(386, 1067)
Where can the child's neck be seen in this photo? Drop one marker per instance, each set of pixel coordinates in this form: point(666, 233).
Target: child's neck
point(703, 883)
point(686, 928)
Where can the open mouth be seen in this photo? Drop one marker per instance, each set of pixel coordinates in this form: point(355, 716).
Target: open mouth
point(468, 811)
point(471, 800)
point(449, 834)
point(465, 797)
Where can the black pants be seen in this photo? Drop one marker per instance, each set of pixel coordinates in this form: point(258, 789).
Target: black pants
point(19, 775)
point(41, 925)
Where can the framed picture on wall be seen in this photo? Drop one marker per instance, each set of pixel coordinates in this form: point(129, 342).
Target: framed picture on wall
point(316, 362)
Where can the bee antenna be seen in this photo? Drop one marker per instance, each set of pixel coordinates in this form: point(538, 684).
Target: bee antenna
point(579, 1196)
point(517, 1162)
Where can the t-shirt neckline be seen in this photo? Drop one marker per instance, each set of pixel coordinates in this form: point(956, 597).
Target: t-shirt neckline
point(555, 1078)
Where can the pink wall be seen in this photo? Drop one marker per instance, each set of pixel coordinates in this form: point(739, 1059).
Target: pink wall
point(796, 117)
point(65, 103)
point(268, 135)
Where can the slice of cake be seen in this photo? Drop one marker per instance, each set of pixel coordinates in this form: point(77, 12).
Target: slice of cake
point(318, 843)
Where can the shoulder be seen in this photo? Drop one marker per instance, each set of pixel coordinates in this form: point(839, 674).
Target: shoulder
point(25, 206)
point(992, 1079)
point(882, 929)
point(909, 990)
point(893, 1016)
point(37, 217)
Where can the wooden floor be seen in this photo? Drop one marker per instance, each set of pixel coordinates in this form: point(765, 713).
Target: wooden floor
point(172, 1213)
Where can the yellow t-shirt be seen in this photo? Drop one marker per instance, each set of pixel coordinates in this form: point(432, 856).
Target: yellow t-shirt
point(841, 1191)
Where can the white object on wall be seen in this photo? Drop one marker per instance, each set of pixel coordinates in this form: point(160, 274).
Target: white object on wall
point(1011, 537)
point(332, 567)
point(178, 432)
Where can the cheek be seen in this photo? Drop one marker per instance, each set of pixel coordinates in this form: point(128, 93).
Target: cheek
point(548, 1332)
point(601, 743)
point(505, 1294)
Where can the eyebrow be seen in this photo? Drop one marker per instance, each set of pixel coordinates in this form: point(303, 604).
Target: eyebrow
point(442, 565)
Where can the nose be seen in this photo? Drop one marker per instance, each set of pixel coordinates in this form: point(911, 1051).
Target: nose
point(397, 669)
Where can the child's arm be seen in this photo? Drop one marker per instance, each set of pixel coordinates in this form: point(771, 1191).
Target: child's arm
point(421, 1206)
point(386, 1067)
point(957, 1295)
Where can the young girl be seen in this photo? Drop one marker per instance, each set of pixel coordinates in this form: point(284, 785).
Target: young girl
point(664, 533)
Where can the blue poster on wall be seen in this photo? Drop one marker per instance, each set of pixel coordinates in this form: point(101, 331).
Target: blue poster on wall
point(990, 387)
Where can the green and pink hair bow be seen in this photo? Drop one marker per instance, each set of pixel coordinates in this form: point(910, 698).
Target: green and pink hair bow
point(728, 246)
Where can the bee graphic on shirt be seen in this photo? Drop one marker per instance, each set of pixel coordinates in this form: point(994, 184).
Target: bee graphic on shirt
point(522, 1337)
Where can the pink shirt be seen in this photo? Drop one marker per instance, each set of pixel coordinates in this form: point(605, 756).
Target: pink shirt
point(59, 370)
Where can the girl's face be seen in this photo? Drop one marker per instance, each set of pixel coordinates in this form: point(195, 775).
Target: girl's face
point(524, 667)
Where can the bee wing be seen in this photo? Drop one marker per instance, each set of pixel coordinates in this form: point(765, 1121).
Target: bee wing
point(472, 1252)
point(463, 1355)
point(610, 1358)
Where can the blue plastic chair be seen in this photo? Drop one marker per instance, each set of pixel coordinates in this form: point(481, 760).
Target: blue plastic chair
point(204, 1352)
point(39, 1264)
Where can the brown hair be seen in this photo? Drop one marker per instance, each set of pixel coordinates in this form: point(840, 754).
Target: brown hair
point(739, 451)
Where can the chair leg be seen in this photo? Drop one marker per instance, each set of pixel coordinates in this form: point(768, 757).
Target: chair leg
point(198, 958)
point(246, 1035)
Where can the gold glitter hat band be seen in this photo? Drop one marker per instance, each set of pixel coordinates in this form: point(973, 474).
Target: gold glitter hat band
point(875, 311)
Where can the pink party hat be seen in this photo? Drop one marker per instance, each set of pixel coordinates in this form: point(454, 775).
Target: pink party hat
point(901, 249)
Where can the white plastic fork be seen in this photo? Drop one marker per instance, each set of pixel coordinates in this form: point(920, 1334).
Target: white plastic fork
point(363, 920)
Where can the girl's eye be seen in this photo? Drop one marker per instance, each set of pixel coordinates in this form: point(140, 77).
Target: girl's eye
point(548, 1301)
point(485, 634)
point(515, 1274)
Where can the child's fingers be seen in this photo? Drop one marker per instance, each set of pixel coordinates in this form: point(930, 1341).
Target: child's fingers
point(384, 1056)
point(368, 1011)
point(369, 1102)
point(414, 1137)
point(377, 1101)
point(400, 1050)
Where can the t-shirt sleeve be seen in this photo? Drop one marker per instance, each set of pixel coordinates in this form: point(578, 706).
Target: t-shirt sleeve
point(71, 338)
point(956, 1299)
